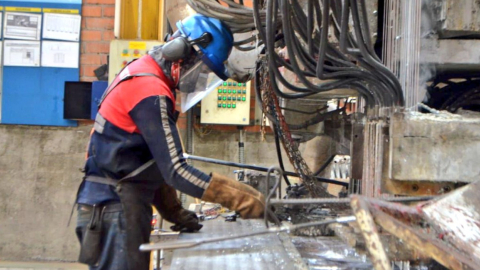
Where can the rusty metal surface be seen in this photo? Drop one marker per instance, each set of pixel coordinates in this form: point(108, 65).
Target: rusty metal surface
point(398, 211)
point(356, 149)
point(446, 229)
point(370, 234)
point(395, 248)
point(457, 217)
point(425, 243)
point(416, 188)
point(260, 252)
point(373, 153)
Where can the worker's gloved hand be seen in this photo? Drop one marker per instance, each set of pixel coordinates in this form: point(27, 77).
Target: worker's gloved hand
point(187, 221)
point(170, 208)
point(244, 199)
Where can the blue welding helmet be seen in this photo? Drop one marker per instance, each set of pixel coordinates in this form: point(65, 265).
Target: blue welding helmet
point(215, 41)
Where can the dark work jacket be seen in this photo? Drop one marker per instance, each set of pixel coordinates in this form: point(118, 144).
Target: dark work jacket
point(139, 125)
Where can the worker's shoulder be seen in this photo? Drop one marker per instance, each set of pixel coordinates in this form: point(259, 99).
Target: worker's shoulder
point(145, 76)
point(141, 87)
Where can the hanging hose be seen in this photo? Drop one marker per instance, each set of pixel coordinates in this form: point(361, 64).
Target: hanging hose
point(279, 156)
point(297, 38)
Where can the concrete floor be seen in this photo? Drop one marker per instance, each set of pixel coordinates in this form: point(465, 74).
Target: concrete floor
point(41, 266)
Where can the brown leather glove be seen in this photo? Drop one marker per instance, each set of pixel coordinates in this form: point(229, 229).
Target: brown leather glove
point(170, 208)
point(235, 196)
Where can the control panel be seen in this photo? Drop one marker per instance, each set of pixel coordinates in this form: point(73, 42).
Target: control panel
point(124, 51)
point(228, 104)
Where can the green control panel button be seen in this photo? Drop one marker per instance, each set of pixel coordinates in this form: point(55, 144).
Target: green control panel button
point(225, 83)
point(229, 91)
point(219, 90)
point(243, 99)
point(224, 91)
point(228, 106)
point(224, 105)
point(224, 98)
point(234, 91)
point(234, 105)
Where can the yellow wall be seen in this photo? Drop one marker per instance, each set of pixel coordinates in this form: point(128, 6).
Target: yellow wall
point(151, 22)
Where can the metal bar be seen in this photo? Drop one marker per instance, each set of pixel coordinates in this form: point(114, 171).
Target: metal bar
point(369, 231)
point(435, 248)
point(399, 211)
point(256, 168)
point(380, 202)
point(187, 244)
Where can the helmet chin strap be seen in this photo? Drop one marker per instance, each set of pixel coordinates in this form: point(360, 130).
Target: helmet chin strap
point(176, 72)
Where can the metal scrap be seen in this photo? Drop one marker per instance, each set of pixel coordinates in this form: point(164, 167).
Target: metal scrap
point(370, 234)
point(446, 229)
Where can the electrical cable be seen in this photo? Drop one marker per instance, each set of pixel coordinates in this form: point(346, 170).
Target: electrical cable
point(316, 119)
point(279, 155)
point(324, 166)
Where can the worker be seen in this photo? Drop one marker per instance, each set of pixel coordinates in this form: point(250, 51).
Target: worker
point(134, 157)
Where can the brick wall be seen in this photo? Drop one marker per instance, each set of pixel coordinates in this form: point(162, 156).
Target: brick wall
point(97, 32)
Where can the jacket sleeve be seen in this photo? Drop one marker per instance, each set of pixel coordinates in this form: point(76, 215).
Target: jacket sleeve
point(155, 120)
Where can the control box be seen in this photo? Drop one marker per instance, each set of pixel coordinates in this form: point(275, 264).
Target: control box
point(124, 51)
point(228, 104)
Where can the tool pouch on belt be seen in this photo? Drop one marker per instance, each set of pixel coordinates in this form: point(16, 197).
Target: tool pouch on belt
point(136, 192)
point(91, 247)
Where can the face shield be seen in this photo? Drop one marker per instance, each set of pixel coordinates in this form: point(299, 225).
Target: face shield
point(195, 84)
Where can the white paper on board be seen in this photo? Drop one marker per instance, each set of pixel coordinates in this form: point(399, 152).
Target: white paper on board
point(61, 26)
point(1, 20)
point(22, 25)
point(60, 54)
point(21, 53)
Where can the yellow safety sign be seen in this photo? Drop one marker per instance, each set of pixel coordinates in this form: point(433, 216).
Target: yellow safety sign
point(23, 9)
point(60, 10)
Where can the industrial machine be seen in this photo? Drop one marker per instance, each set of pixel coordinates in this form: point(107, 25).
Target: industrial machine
point(390, 88)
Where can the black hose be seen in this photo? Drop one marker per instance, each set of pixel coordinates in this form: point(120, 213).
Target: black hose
point(316, 119)
point(387, 75)
point(279, 154)
point(324, 166)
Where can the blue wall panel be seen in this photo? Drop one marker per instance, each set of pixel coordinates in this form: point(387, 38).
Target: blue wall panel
point(66, 4)
point(34, 95)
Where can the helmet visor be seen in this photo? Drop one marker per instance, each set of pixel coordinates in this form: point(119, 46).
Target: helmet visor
point(196, 90)
point(194, 79)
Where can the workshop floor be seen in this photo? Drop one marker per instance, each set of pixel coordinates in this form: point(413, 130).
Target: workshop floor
point(41, 266)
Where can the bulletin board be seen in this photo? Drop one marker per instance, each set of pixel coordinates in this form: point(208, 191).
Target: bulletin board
point(40, 43)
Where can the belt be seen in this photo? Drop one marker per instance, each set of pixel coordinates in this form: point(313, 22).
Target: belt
point(107, 208)
point(112, 182)
point(101, 180)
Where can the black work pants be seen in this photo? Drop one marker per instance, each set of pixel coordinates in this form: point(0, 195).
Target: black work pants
point(123, 231)
point(113, 238)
